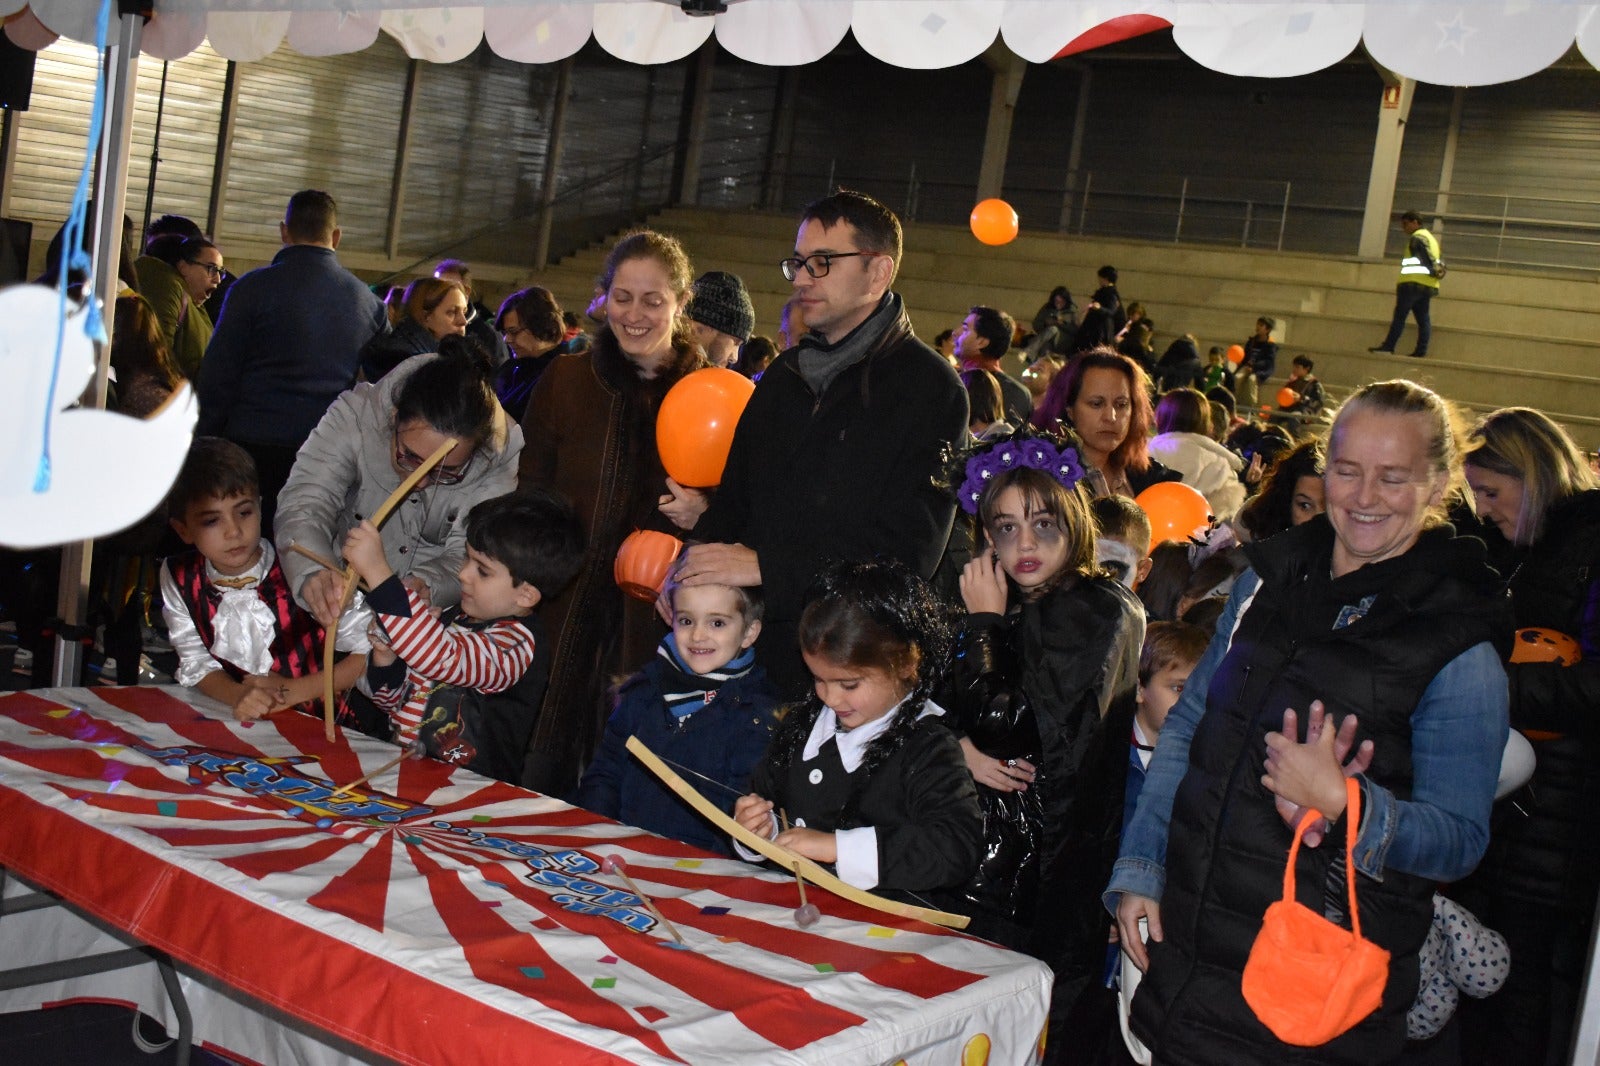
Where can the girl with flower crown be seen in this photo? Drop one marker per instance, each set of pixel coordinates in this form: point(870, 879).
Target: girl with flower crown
point(1042, 691)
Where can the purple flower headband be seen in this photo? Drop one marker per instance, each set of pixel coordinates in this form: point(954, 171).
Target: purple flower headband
point(1036, 453)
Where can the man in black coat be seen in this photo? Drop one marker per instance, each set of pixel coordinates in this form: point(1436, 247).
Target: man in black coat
point(836, 454)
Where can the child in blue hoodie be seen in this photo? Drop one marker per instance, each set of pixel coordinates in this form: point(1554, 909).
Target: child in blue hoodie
point(702, 704)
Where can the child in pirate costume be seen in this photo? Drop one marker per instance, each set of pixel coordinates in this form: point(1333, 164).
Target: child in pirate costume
point(239, 635)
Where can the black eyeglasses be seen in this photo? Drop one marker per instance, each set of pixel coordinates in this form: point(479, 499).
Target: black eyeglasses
point(818, 264)
point(406, 460)
point(210, 268)
point(509, 332)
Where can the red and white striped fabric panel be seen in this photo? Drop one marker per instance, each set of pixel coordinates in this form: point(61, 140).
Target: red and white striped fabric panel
point(442, 916)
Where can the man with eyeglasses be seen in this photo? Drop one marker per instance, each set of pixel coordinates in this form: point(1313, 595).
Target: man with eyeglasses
point(286, 345)
point(836, 454)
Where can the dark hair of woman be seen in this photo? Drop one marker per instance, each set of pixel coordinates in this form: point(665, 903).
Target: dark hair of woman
point(1163, 587)
point(1056, 404)
point(983, 397)
point(451, 394)
point(877, 616)
point(536, 310)
point(1183, 411)
point(1270, 510)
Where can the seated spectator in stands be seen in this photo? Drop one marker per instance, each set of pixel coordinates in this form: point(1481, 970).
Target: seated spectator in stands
point(1179, 367)
point(575, 338)
point(434, 309)
point(535, 334)
point(1183, 442)
point(722, 314)
point(1096, 330)
point(480, 323)
point(986, 418)
point(945, 344)
point(983, 339)
point(1308, 407)
point(1135, 315)
point(1055, 326)
point(754, 355)
point(177, 275)
point(1135, 344)
point(1122, 538)
point(1216, 373)
point(1106, 298)
point(703, 703)
point(1260, 359)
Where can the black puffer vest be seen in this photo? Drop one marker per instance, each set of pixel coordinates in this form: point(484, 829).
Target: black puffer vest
point(1368, 643)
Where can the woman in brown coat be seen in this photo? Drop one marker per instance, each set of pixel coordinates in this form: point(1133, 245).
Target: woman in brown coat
point(590, 432)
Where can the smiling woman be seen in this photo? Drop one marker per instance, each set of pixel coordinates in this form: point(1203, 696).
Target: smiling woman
point(590, 427)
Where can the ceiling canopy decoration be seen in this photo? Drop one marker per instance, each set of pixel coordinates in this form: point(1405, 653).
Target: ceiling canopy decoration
point(1443, 42)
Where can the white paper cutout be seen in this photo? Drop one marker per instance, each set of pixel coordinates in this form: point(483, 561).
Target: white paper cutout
point(107, 470)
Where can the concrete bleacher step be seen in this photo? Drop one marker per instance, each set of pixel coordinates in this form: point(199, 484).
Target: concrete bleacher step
point(1500, 337)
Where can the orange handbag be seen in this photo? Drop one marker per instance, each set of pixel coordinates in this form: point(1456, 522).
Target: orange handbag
point(1307, 979)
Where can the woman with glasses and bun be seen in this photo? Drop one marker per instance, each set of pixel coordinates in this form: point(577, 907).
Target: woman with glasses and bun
point(371, 440)
point(591, 433)
point(177, 275)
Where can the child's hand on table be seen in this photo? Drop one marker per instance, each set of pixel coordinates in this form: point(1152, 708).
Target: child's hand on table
point(755, 814)
point(812, 843)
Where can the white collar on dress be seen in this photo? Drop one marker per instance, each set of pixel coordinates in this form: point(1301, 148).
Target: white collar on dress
point(853, 743)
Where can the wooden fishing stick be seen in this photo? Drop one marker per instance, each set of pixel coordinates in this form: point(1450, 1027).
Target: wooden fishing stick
point(613, 864)
point(414, 748)
point(350, 579)
point(783, 856)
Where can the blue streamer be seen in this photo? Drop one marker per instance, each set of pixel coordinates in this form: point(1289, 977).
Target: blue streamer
point(73, 257)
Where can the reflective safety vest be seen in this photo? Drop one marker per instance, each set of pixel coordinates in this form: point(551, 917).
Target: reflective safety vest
point(1412, 268)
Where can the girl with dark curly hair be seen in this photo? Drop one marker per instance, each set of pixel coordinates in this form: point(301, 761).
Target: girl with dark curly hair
point(862, 769)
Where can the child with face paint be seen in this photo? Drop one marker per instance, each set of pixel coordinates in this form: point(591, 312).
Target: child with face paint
point(1042, 693)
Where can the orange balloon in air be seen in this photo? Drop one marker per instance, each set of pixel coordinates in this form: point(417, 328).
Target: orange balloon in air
point(1176, 511)
point(694, 428)
point(994, 221)
point(1287, 397)
point(643, 563)
point(1235, 354)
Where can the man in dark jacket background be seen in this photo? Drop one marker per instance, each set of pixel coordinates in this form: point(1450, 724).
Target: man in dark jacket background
point(287, 345)
point(836, 454)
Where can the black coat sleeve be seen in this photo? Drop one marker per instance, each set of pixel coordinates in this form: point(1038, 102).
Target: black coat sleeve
point(983, 696)
point(939, 837)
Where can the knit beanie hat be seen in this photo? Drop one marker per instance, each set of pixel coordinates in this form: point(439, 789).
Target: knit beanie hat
point(721, 303)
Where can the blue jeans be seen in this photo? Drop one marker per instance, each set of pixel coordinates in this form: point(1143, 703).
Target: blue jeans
point(1411, 298)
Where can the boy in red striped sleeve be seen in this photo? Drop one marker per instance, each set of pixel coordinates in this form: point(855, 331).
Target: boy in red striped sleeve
point(467, 682)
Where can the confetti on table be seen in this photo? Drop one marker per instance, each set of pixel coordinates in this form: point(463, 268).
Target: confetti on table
point(727, 939)
point(482, 818)
point(879, 930)
point(490, 902)
point(112, 749)
point(533, 972)
point(167, 807)
point(604, 982)
point(410, 840)
point(651, 1014)
point(713, 910)
point(688, 864)
point(609, 960)
point(905, 958)
point(825, 967)
point(59, 712)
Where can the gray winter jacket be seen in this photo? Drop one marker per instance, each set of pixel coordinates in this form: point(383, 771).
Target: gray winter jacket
point(345, 470)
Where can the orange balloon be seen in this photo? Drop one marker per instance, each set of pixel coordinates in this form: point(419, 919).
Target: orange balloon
point(643, 562)
point(694, 428)
point(1287, 397)
point(1536, 645)
point(1235, 354)
point(994, 221)
point(1176, 511)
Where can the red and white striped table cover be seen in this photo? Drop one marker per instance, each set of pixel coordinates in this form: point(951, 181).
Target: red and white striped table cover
point(444, 917)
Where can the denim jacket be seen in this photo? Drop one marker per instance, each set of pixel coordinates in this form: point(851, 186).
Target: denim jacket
point(1458, 735)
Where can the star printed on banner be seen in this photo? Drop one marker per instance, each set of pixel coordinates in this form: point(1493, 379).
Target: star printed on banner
point(1454, 34)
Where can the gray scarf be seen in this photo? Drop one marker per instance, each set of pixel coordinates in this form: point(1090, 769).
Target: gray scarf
point(820, 362)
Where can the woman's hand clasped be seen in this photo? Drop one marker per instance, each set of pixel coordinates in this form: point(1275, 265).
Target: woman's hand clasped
point(683, 506)
point(1002, 775)
point(1312, 774)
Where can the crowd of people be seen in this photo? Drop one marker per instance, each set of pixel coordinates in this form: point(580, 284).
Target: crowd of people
point(920, 628)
